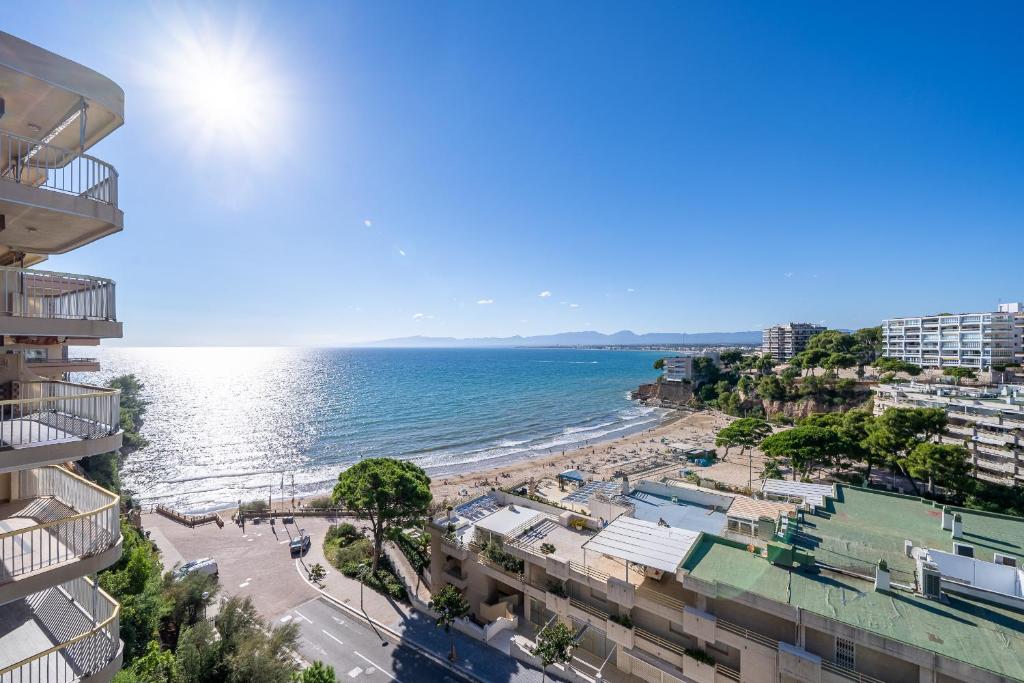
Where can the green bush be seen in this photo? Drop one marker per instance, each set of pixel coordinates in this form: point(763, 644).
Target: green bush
point(414, 551)
point(384, 580)
point(321, 503)
point(343, 533)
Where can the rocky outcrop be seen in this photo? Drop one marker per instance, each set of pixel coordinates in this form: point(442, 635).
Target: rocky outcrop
point(665, 394)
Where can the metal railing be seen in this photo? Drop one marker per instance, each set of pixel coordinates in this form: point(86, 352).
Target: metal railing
point(60, 361)
point(661, 598)
point(727, 672)
point(44, 294)
point(77, 656)
point(675, 648)
point(50, 411)
point(39, 164)
point(93, 526)
point(592, 610)
point(849, 674)
point(588, 572)
point(747, 633)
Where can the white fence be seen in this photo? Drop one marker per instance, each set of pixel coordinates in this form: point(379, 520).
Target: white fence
point(45, 294)
point(39, 164)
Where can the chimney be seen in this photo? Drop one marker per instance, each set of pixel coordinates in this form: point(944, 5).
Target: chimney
point(947, 519)
point(625, 485)
point(958, 526)
point(882, 576)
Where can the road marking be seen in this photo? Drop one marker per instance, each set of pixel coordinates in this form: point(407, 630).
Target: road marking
point(340, 621)
point(303, 616)
point(282, 542)
point(243, 585)
point(355, 672)
point(375, 666)
point(286, 618)
point(332, 637)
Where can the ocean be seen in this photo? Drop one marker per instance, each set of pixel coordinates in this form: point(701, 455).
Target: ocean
point(230, 424)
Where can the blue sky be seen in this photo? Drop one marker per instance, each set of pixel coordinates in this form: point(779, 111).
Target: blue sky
point(393, 167)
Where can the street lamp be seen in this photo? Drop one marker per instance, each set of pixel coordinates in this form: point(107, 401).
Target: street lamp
point(362, 581)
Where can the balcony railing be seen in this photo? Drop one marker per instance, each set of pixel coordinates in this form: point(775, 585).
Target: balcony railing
point(44, 294)
point(78, 607)
point(39, 164)
point(92, 523)
point(58, 411)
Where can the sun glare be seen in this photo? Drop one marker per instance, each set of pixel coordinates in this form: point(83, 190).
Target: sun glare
point(216, 84)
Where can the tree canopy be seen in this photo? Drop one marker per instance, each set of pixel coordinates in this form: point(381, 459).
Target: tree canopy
point(947, 465)
point(897, 431)
point(803, 446)
point(386, 492)
point(959, 373)
point(747, 432)
point(554, 646)
point(897, 365)
point(450, 605)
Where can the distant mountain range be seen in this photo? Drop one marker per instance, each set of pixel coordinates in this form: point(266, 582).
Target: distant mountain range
point(588, 338)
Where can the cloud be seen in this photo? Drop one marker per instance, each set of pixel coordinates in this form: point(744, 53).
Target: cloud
point(789, 274)
point(368, 223)
point(422, 316)
point(563, 303)
point(574, 305)
point(630, 289)
point(401, 252)
point(545, 294)
point(485, 302)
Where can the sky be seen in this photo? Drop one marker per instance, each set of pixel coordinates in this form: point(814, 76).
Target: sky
point(304, 173)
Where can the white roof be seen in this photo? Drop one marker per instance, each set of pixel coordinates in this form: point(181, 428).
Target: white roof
point(507, 519)
point(646, 543)
point(813, 494)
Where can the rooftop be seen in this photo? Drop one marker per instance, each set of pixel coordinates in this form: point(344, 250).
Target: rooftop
point(640, 542)
point(978, 633)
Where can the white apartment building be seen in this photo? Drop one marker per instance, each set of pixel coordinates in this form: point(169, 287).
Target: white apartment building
point(57, 530)
point(971, 340)
point(782, 342)
point(680, 368)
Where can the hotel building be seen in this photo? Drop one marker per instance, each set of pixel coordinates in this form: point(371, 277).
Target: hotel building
point(666, 582)
point(57, 530)
point(972, 340)
point(782, 342)
point(680, 368)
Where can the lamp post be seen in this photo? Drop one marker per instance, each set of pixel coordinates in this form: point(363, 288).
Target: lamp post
point(362, 581)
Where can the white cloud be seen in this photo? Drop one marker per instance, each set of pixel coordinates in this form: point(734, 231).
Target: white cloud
point(485, 302)
point(401, 252)
point(574, 305)
point(789, 274)
point(368, 223)
point(564, 303)
point(422, 316)
point(545, 294)
point(630, 289)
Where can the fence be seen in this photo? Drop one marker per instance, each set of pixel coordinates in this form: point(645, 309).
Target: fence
point(95, 528)
point(39, 164)
point(47, 294)
point(49, 410)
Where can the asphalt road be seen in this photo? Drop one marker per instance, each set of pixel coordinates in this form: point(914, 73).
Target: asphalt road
point(330, 634)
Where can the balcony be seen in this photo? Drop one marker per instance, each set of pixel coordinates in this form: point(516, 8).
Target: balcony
point(54, 198)
point(63, 634)
point(55, 367)
point(44, 303)
point(59, 526)
point(55, 422)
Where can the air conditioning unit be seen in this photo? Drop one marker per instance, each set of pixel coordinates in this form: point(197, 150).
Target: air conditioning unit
point(1007, 560)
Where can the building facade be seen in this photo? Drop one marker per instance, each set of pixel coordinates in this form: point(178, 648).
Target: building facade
point(57, 530)
point(782, 342)
point(989, 421)
point(977, 341)
point(680, 368)
point(663, 600)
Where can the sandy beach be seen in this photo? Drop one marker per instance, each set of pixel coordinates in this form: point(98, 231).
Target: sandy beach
point(601, 460)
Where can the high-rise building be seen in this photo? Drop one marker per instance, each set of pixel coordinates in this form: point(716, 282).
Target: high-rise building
point(57, 530)
point(680, 368)
point(972, 340)
point(782, 342)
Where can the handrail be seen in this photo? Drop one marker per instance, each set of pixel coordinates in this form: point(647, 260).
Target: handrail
point(85, 533)
point(589, 572)
point(727, 672)
point(108, 627)
point(747, 633)
point(49, 167)
point(655, 596)
point(592, 610)
point(58, 410)
point(60, 361)
point(659, 641)
point(48, 294)
point(851, 674)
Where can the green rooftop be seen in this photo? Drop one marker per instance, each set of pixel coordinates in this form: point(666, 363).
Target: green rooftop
point(864, 526)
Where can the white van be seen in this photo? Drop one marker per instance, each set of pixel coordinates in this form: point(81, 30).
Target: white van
point(207, 566)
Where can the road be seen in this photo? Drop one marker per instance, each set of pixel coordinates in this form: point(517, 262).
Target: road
point(357, 653)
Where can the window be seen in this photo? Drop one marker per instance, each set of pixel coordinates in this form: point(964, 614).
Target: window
point(845, 654)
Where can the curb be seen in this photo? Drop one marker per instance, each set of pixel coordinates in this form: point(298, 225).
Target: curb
point(429, 654)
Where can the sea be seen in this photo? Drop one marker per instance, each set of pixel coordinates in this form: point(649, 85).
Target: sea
point(230, 424)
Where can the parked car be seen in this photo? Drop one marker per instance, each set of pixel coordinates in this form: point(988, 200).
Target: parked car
point(300, 543)
point(206, 566)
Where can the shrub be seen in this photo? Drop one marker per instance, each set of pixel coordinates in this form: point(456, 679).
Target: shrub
point(255, 506)
point(547, 548)
point(358, 551)
point(384, 580)
point(344, 533)
point(556, 588)
point(623, 620)
point(321, 503)
point(700, 656)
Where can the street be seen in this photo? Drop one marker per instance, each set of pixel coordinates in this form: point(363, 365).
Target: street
point(354, 649)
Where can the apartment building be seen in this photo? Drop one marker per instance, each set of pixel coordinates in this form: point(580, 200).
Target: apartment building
point(989, 421)
point(670, 583)
point(57, 530)
point(680, 368)
point(972, 340)
point(782, 342)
